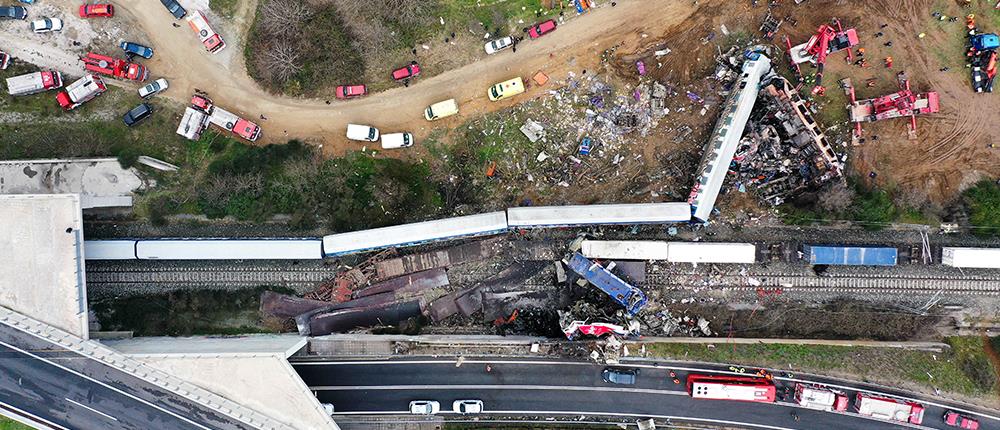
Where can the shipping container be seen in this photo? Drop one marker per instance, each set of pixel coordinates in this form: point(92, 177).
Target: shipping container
point(985, 258)
point(850, 255)
point(708, 252)
point(625, 249)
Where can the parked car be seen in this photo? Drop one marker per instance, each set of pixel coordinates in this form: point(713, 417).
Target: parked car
point(174, 8)
point(441, 109)
point(494, 46)
point(364, 133)
point(406, 72)
point(620, 376)
point(424, 407)
point(350, 91)
point(137, 49)
point(13, 12)
point(46, 25)
point(508, 88)
point(542, 28)
point(397, 140)
point(4, 60)
point(467, 406)
point(97, 10)
point(27, 1)
point(153, 88)
point(955, 419)
point(137, 114)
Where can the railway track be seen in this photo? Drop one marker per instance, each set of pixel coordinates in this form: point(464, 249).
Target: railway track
point(837, 283)
point(218, 276)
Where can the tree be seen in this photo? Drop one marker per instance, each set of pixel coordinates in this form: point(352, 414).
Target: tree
point(983, 201)
point(836, 198)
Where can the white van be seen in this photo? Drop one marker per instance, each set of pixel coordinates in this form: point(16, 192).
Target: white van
point(365, 133)
point(441, 109)
point(397, 140)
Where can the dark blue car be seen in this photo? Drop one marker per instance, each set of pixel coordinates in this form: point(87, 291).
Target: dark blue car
point(137, 49)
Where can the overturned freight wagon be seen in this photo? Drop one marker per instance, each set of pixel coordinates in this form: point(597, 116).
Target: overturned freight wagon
point(849, 255)
point(631, 298)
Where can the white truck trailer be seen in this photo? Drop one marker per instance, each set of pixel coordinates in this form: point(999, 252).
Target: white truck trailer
point(820, 398)
point(889, 409)
point(33, 83)
point(983, 258)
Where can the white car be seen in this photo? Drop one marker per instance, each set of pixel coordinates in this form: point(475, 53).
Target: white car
point(467, 406)
point(494, 46)
point(153, 88)
point(397, 140)
point(46, 25)
point(365, 133)
point(424, 407)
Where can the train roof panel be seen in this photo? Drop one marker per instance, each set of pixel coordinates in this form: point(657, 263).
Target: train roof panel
point(625, 249)
point(850, 255)
point(642, 213)
point(709, 252)
point(230, 249)
point(109, 250)
point(414, 233)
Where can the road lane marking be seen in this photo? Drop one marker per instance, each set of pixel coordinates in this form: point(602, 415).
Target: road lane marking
point(91, 409)
point(494, 387)
point(648, 366)
point(29, 416)
point(115, 389)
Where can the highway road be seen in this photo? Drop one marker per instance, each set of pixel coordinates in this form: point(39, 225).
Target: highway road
point(546, 387)
point(60, 389)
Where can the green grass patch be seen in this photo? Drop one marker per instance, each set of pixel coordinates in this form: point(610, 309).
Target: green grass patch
point(964, 369)
point(983, 202)
point(9, 424)
point(226, 8)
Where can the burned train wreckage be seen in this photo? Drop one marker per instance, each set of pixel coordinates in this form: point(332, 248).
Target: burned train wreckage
point(766, 138)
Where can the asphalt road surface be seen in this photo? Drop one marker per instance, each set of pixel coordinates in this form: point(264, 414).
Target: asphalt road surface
point(540, 387)
point(61, 389)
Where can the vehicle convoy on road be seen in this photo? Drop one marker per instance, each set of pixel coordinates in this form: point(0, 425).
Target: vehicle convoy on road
point(115, 67)
point(203, 112)
point(81, 91)
point(505, 89)
point(33, 83)
point(213, 41)
point(888, 409)
point(723, 387)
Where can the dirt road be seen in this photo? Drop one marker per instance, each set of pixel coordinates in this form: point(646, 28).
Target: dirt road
point(575, 46)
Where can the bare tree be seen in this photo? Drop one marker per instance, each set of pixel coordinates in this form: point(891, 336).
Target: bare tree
point(836, 197)
point(281, 58)
point(283, 17)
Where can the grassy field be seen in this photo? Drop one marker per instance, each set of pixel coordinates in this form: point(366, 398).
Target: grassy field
point(9, 424)
point(225, 8)
point(965, 369)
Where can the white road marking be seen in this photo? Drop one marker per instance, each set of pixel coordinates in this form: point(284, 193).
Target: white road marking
point(30, 416)
point(494, 387)
point(141, 400)
point(648, 366)
point(91, 409)
point(604, 414)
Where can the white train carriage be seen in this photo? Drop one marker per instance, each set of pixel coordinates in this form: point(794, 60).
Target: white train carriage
point(712, 252)
point(578, 215)
point(625, 249)
point(109, 249)
point(981, 258)
point(229, 249)
point(415, 233)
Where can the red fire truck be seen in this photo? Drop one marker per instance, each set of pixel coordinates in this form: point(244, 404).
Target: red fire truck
point(889, 409)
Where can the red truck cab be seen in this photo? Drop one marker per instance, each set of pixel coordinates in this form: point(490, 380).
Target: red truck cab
point(246, 130)
point(542, 28)
point(409, 71)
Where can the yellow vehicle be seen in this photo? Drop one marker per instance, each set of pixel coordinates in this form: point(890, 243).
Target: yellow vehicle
point(506, 89)
point(441, 109)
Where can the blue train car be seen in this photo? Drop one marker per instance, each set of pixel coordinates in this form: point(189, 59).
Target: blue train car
point(631, 298)
point(850, 255)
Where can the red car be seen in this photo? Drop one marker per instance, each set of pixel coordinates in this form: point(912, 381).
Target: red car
point(4, 61)
point(954, 419)
point(350, 91)
point(542, 28)
point(97, 10)
point(406, 72)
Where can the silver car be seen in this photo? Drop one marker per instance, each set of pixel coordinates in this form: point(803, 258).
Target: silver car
point(467, 406)
point(494, 46)
point(153, 88)
point(46, 25)
point(424, 407)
